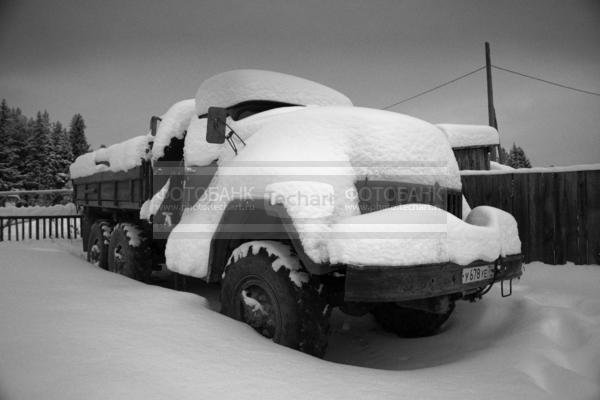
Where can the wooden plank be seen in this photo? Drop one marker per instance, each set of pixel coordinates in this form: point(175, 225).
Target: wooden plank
point(548, 218)
point(501, 186)
point(581, 217)
point(534, 228)
point(139, 191)
point(520, 207)
point(130, 184)
point(592, 220)
point(468, 188)
point(573, 209)
point(561, 212)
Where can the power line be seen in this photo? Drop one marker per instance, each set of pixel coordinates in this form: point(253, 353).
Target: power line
point(479, 69)
point(546, 81)
point(432, 89)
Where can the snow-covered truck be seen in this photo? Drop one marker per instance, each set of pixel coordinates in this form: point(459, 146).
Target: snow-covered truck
point(296, 202)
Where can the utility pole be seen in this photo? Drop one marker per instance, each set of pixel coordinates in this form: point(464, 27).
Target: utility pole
point(490, 95)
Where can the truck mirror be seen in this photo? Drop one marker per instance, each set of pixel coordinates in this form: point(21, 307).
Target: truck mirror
point(215, 125)
point(154, 124)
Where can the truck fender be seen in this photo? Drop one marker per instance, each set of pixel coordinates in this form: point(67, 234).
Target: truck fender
point(251, 219)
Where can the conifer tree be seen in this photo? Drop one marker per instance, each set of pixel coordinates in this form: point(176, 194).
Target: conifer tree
point(41, 168)
point(19, 132)
point(79, 144)
point(8, 172)
point(35, 153)
point(517, 158)
point(62, 155)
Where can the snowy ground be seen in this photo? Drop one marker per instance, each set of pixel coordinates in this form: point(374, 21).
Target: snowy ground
point(69, 330)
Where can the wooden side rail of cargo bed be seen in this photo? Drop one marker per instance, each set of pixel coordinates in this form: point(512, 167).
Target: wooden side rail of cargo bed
point(120, 190)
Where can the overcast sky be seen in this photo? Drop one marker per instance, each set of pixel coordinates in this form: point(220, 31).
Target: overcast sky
point(120, 62)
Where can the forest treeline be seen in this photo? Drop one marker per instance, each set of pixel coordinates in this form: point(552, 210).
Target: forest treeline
point(35, 152)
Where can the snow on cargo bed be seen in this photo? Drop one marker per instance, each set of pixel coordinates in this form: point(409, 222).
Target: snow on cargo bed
point(73, 331)
point(470, 135)
point(119, 157)
point(234, 87)
point(416, 234)
point(334, 146)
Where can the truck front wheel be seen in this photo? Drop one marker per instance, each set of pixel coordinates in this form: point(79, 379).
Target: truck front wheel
point(97, 245)
point(408, 322)
point(129, 253)
point(259, 291)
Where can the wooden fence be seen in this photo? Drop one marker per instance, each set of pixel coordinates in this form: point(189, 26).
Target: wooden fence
point(24, 227)
point(558, 212)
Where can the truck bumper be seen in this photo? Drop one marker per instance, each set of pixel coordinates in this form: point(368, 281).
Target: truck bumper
point(394, 284)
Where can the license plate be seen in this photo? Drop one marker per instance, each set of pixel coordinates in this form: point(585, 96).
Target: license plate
point(474, 274)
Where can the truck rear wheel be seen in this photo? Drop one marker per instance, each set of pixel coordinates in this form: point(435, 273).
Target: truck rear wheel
point(408, 322)
point(255, 292)
point(129, 253)
point(97, 245)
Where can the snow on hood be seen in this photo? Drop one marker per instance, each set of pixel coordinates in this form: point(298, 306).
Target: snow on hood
point(234, 87)
point(331, 146)
point(470, 135)
point(198, 152)
point(361, 141)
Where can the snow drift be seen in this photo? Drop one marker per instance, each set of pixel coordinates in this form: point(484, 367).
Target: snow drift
point(80, 332)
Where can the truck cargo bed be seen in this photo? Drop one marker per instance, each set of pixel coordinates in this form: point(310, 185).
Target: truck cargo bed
point(118, 190)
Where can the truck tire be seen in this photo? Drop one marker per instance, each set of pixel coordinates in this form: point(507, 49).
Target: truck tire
point(129, 253)
point(97, 245)
point(254, 291)
point(408, 322)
